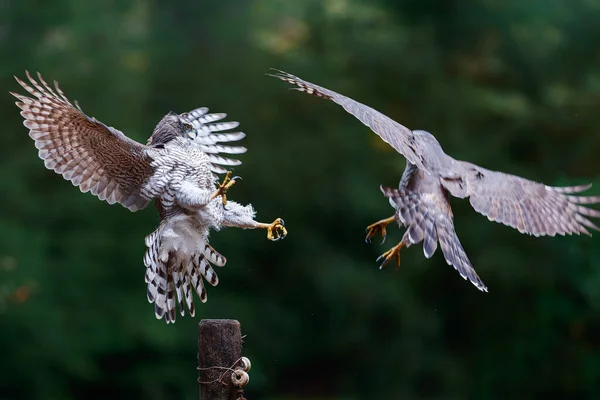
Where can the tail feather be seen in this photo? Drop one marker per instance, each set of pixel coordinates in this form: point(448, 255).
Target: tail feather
point(455, 254)
point(213, 256)
point(207, 271)
point(409, 212)
point(178, 281)
point(170, 313)
point(172, 277)
point(192, 270)
point(151, 255)
point(189, 295)
point(416, 230)
point(431, 238)
point(160, 283)
point(429, 222)
point(413, 212)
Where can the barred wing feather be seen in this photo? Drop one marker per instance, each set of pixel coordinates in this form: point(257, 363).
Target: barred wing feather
point(93, 156)
point(528, 206)
point(208, 137)
point(396, 135)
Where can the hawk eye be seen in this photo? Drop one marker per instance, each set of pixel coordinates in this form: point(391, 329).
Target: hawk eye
point(189, 127)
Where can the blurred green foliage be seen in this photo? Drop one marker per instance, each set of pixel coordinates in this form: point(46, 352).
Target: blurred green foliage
point(512, 86)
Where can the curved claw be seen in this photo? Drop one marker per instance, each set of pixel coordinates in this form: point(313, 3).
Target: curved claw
point(276, 230)
point(394, 252)
point(373, 230)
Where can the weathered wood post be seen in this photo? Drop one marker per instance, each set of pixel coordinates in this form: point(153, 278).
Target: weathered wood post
point(219, 348)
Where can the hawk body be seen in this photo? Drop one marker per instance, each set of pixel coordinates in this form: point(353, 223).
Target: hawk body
point(431, 176)
point(182, 185)
point(176, 168)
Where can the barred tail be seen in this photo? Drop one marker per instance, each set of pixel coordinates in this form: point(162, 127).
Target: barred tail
point(455, 254)
point(172, 277)
point(414, 213)
point(428, 222)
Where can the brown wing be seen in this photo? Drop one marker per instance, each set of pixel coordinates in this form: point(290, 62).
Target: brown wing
point(528, 206)
point(91, 155)
point(398, 136)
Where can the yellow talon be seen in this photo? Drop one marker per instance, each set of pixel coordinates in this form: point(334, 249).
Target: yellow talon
point(276, 230)
point(394, 252)
point(379, 226)
point(223, 187)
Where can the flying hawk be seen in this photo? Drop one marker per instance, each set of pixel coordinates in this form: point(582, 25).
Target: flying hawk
point(176, 168)
point(421, 199)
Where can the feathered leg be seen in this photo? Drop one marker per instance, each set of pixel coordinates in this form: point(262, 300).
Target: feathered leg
point(238, 216)
point(222, 188)
point(191, 197)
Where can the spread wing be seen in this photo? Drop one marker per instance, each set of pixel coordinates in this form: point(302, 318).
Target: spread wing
point(207, 137)
point(398, 136)
point(93, 156)
point(528, 206)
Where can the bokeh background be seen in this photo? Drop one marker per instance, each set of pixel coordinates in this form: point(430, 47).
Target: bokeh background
point(510, 85)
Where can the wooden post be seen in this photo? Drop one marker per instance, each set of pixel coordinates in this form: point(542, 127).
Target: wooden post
point(219, 345)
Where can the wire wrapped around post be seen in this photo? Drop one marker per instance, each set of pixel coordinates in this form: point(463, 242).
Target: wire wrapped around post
point(219, 353)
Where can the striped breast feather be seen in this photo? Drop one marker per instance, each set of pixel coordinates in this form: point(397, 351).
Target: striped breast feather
point(208, 136)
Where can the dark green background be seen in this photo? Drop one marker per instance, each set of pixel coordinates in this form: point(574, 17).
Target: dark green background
point(510, 85)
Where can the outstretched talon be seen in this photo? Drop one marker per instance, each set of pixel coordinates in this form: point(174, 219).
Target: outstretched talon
point(390, 254)
point(379, 226)
point(223, 187)
point(275, 230)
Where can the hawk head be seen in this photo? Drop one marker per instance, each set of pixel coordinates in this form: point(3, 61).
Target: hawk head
point(428, 144)
point(426, 137)
point(169, 128)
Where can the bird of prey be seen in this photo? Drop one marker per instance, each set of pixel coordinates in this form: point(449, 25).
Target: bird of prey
point(176, 168)
point(421, 199)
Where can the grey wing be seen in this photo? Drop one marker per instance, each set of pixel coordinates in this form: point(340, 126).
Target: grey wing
point(396, 135)
point(91, 155)
point(528, 206)
point(208, 136)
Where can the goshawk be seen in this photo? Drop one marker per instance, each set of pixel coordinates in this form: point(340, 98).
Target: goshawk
point(421, 199)
point(176, 168)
